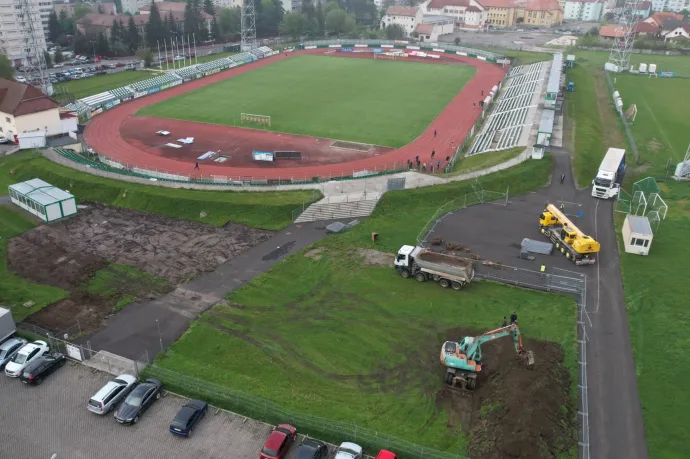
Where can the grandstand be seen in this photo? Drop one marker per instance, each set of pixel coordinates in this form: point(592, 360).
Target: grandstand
point(512, 115)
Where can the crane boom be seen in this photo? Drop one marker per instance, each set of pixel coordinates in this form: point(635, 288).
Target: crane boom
point(568, 238)
point(565, 221)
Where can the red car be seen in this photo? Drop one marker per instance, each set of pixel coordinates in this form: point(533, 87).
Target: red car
point(383, 454)
point(278, 443)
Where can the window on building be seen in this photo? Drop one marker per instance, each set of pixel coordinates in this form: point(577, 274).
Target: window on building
point(7, 119)
point(639, 242)
point(646, 242)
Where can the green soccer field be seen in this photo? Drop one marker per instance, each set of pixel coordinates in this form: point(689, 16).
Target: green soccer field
point(360, 100)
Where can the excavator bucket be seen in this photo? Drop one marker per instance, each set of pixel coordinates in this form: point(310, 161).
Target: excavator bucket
point(529, 358)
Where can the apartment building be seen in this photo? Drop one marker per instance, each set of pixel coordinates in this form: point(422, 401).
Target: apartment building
point(408, 17)
point(14, 25)
point(583, 10)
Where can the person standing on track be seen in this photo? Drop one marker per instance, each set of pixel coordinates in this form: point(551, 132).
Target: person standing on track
point(196, 165)
point(482, 93)
point(434, 133)
point(433, 153)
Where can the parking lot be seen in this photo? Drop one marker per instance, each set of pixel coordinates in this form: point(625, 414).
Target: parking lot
point(39, 421)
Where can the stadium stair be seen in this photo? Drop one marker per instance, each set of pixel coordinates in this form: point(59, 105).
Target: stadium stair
point(337, 207)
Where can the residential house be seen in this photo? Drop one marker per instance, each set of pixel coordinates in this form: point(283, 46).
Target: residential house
point(643, 10)
point(430, 31)
point(408, 17)
point(583, 10)
point(659, 18)
point(95, 23)
point(500, 13)
point(467, 14)
point(681, 32)
point(507, 13)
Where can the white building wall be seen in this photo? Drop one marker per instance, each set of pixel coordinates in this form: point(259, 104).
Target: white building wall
point(229, 3)
point(7, 127)
point(47, 121)
point(581, 11)
point(12, 32)
point(408, 23)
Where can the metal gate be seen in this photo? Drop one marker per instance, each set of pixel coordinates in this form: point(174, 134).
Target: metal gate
point(396, 184)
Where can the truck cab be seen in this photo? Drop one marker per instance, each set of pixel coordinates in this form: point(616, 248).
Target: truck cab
point(604, 186)
point(404, 258)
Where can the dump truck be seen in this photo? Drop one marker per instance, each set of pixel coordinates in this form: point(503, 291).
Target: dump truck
point(422, 264)
point(606, 184)
point(568, 238)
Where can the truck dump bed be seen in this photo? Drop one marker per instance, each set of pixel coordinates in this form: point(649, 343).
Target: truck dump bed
point(449, 264)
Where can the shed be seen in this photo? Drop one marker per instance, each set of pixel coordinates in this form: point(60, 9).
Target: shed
point(43, 200)
point(637, 234)
point(34, 139)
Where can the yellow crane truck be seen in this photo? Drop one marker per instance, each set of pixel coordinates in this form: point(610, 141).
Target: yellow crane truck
point(568, 238)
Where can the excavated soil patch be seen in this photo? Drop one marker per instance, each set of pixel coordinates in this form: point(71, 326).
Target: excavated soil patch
point(515, 412)
point(374, 257)
point(78, 314)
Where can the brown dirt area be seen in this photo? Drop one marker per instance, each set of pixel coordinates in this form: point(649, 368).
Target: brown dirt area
point(515, 412)
point(374, 257)
point(66, 254)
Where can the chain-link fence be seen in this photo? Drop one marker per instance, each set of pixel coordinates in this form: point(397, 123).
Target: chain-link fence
point(628, 131)
point(258, 408)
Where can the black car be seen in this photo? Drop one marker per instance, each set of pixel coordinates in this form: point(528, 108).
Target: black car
point(138, 401)
point(312, 449)
point(39, 369)
point(188, 417)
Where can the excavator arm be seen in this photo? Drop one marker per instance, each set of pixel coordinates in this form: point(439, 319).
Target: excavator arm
point(474, 350)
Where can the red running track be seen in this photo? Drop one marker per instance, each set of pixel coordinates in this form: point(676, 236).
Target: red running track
point(452, 125)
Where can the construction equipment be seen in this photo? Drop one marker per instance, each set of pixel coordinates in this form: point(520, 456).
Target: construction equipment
point(569, 240)
point(422, 264)
point(463, 359)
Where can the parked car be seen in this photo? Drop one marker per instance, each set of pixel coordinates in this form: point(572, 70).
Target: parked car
point(348, 450)
point(312, 449)
point(111, 66)
point(278, 442)
point(27, 354)
point(41, 368)
point(111, 394)
point(383, 454)
point(138, 401)
point(10, 347)
point(59, 66)
point(188, 417)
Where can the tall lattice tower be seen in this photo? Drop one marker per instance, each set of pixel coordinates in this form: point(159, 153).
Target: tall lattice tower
point(248, 25)
point(627, 19)
point(28, 18)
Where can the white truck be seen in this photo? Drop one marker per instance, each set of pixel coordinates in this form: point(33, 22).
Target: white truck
point(606, 185)
point(7, 326)
point(422, 264)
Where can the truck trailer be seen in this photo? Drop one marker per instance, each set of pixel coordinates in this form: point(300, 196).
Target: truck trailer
point(7, 326)
point(422, 264)
point(607, 182)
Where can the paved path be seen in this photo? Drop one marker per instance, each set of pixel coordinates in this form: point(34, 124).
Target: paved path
point(615, 413)
point(150, 326)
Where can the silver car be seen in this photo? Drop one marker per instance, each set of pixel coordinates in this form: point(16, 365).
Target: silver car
point(8, 349)
point(110, 395)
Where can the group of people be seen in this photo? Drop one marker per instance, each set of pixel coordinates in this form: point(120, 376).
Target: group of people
point(513, 320)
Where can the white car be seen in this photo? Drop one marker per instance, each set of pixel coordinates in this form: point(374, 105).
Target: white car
point(27, 354)
point(59, 66)
point(348, 450)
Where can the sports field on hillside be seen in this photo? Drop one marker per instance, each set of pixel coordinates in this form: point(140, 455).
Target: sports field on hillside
point(377, 102)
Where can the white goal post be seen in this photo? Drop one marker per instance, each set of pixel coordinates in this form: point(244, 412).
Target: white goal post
point(256, 119)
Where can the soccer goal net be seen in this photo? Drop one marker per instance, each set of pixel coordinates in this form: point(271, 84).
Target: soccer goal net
point(263, 120)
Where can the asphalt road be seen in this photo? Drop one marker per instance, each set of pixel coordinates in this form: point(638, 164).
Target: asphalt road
point(39, 421)
point(494, 232)
point(148, 327)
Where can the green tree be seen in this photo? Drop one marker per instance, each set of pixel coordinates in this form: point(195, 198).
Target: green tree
point(338, 22)
point(308, 9)
point(133, 39)
point(294, 25)
point(115, 32)
point(215, 29)
point(395, 32)
point(102, 45)
point(118, 6)
point(100, 9)
point(320, 20)
point(80, 10)
point(81, 44)
point(67, 24)
point(154, 27)
point(54, 29)
point(6, 68)
point(145, 54)
point(192, 16)
point(58, 57)
point(268, 21)
point(229, 23)
point(209, 8)
point(48, 59)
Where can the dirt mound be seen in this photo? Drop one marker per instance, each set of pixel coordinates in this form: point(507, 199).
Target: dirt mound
point(515, 412)
point(36, 257)
point(78, 314)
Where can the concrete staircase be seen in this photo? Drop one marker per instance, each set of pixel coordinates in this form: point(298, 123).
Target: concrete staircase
point(340, 206)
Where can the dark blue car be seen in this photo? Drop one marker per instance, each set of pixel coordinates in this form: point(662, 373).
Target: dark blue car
point(188, 417)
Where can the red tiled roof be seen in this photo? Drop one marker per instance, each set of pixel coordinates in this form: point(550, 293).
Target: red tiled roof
point(646, 27)
point(498, 3)
point(22, 99)
point(166, 6)
point(401, 11)
point(439, 4)
point(425, 28)
point(611, 31)
point(660, 17)
point(473, 9)
point(106, 20)
point(543, 5)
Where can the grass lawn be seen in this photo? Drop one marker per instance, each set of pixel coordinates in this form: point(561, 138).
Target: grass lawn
point(658, 316)
point(14, 290)
point(268, 210)
point(101, 83)
point(661, 126)
point(362, 100)
point(484, 160)
point(288, 341)
point(125, 283)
